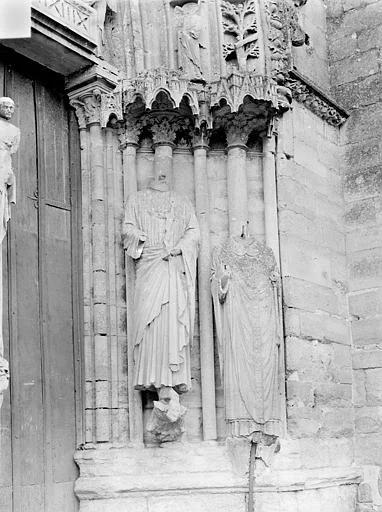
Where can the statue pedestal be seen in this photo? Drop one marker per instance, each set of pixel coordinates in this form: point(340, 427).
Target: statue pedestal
point(205, 477)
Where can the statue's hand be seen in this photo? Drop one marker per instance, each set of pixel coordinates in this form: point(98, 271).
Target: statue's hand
point(165, 255)
point(176, 252)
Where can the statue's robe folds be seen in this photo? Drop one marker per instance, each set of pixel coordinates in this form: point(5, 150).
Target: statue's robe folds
point(164, 299)
point(248, 331)
point(9, 143)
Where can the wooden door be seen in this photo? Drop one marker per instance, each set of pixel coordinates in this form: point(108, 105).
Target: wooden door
point(40, 418)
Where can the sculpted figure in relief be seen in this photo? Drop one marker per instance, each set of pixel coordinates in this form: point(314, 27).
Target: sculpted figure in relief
point(9, 143)
point(188, 41)
point(245, 289)
point(162, 236)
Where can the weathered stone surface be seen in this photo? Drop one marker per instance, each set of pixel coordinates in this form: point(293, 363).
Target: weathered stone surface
point(368, 331)
point(374, 386)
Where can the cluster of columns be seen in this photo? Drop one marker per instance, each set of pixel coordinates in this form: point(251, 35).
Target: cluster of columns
point(104, 334)
point(104, 345)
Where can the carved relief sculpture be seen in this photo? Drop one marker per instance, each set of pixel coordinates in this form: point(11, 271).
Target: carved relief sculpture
point(162, 236)
point(245, 289)
point(9, 143)
point(188, 41)
point(240, 29)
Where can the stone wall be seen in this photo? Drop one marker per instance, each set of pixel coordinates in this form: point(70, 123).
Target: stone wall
point(355, 36)
point(313, 263)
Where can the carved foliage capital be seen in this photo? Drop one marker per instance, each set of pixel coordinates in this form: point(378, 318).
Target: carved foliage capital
point(164, 129)
point(319, 105)
point(96, 106)
point(238, 126)
point(129, 133)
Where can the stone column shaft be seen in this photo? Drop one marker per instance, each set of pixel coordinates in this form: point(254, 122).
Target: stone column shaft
point(272, 239)
point(100, 308)
point(129, 155)
point(237, 189)
point(205, 304)
point(163, 159)
point(270, 196)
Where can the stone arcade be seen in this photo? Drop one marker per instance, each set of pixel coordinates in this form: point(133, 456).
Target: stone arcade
point(190, 289)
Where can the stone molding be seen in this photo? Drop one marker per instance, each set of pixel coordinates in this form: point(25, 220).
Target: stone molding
point(315, 100)
point(121, 473)
point(77, 15)
point(201, 97)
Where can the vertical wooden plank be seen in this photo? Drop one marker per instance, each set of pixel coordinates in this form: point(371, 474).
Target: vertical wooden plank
point(56, 298)
point(25, 354)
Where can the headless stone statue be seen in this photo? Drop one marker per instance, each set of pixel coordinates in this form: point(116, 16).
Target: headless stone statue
point(245, 295)
point(9, 143)
point(162, 235)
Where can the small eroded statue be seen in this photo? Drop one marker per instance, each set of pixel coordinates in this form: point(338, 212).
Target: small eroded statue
point(189, 44)
point(161, 234)
point(9, 143)
point(4, 377)
point(245, 289)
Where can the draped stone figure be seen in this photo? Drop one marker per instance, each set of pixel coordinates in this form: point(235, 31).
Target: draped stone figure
point(162, 236)
point(245, 285)
point(9, 143)
point(188, 41)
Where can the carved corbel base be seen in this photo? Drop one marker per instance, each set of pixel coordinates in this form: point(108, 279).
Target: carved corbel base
point(167, 419)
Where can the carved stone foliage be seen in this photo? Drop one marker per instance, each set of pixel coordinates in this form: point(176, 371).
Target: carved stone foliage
point(253, 116)
point(96, 106)
point(320, 105)
point(240, 32)
point(284, 30)
point(129, 132)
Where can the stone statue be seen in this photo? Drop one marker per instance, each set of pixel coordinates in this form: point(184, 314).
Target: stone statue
point(9, 143)
point(161, 234)
point(245, 290)
point(188, 41)
point(4, 377)
point(101, 6)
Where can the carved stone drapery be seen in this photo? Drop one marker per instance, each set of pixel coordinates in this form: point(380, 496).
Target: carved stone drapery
point(245, 289)
point(189, 46)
